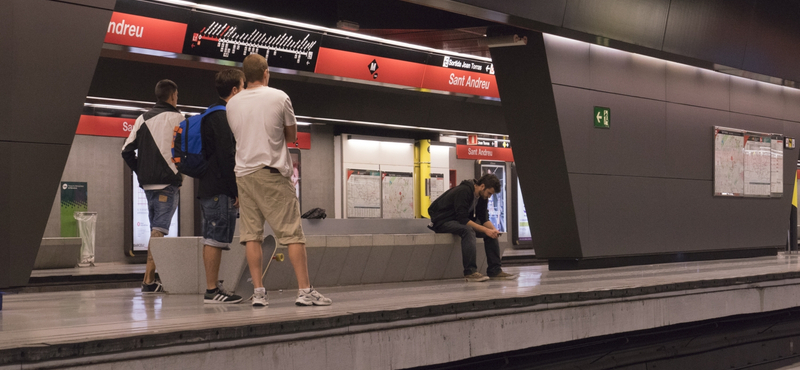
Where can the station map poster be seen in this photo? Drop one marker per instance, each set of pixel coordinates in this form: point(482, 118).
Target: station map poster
point(398, 194)
point(437, 186)
point(497, 202)
point(141, 220)
point(757, 165)
point(728, 162)
point(776, 170)
point(364, 194)
point(748, 164)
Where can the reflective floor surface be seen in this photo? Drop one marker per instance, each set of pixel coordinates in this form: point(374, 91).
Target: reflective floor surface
point(31, 319)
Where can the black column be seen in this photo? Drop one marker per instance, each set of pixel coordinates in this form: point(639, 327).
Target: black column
point(523, 78)
point(49, 52)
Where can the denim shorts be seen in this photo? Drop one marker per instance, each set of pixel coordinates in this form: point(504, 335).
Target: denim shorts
point(219, 220)
point(161, 206)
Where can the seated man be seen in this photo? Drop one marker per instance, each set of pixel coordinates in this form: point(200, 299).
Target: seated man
point(462, 211)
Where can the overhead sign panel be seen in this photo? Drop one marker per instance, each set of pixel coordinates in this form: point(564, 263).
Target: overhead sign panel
point(229, 38)
point(288, 47)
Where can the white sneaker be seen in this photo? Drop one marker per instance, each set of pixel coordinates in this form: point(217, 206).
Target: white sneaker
point(260, 298)
point(311, 297)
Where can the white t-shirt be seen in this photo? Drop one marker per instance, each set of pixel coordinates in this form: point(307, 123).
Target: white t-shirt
point(257, 117)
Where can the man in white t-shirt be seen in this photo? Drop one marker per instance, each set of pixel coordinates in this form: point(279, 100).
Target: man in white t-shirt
point(262, 121)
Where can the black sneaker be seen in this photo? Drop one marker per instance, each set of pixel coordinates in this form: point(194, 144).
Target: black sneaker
point(221, 296)
point(155, 287)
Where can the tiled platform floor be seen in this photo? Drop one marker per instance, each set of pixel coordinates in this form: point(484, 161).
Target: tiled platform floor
point(51, 319)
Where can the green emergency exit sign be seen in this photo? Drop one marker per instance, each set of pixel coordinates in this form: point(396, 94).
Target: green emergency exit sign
point(602, 117)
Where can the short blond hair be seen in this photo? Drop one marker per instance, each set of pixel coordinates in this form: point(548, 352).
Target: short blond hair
point(254, 66)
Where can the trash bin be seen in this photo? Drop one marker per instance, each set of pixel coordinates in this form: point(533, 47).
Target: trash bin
point(86, 226)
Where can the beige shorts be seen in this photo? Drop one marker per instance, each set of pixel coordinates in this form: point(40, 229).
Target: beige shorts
point(266, 196)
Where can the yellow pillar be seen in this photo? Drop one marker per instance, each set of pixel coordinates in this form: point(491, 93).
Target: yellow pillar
point(424, 164)
point(417, 213)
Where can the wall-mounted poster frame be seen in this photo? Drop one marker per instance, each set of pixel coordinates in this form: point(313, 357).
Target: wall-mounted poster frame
point(363, 193)
point(520, 229)
point(497, 202)
point(397, 194)
point(137, 225)
point(747, 163)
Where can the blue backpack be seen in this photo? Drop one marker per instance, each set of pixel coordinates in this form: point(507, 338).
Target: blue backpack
point(187, 145)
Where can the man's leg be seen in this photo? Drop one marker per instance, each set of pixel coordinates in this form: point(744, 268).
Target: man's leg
point(468, 242)
point(492, 247)
point(211, 258)
point(150, 268)
point(254, 260)
point(161, 206)
point(299, 258)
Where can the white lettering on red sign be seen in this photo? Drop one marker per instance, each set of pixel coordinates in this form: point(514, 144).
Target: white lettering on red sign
point(127, 127)
point(122, 29)
point(482, 152)
point(468, 81)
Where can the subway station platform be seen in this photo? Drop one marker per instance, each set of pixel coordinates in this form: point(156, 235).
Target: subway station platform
point(384, 326)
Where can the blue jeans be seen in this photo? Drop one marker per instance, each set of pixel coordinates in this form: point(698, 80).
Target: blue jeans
point(219, 220)
point(161, 206)
point(468, 243)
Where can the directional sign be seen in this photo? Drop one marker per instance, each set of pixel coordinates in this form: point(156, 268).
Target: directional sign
point(602, 117)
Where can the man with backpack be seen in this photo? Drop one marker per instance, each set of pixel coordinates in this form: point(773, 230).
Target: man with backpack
point(463, 211)
point(158, 177)
point(219, 197)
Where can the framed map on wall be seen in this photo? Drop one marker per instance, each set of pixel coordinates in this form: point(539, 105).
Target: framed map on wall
point(364, 194)
point(747, 163)
point(398, 194)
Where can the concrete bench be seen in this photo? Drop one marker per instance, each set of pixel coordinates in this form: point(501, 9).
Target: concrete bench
point(179, 262)
point(58, 253)
point(333, 260)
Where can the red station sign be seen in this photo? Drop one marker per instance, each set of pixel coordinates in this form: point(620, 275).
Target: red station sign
point(121, 127)
point(371, 68)
point(486, 153)
point(144, 32)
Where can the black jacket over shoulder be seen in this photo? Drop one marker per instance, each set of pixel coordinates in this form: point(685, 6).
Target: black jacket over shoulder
point(454, 205)
point(219, 148)
point(151, 136)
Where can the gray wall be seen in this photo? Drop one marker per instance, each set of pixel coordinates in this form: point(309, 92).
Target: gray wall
point(316, 172)
point(645, 185)
point(46, 73)
point(96, 161)
point(753, 35)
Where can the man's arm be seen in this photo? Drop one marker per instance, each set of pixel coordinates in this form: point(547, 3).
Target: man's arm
point(489, 229)
point(130, 146)
point(290, 133)
point(289, 122)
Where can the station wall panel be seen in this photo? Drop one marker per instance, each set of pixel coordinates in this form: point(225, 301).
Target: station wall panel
point(709, 30)
point(756, 98)
point(620, 72)
point(27, 188)
point(48, 67)
point(698, 87)
point(632, 21)
point(689, 141)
